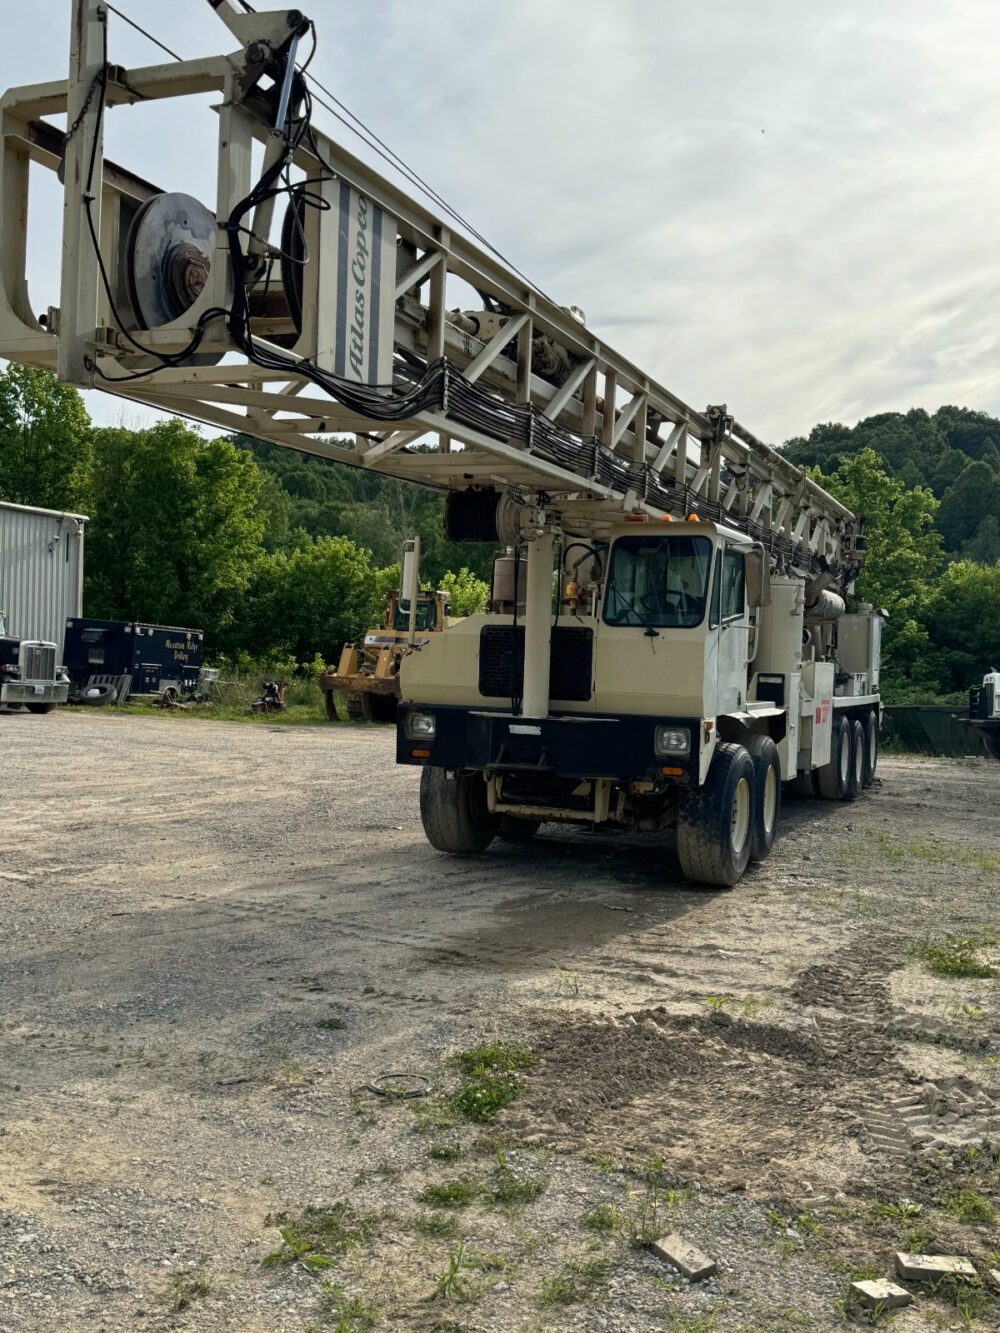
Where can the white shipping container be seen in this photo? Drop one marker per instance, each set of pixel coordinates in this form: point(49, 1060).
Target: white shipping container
point(41, 571)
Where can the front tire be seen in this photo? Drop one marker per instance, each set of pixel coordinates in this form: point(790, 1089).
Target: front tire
point(715, 822)
point(832, 778)
point(767, 795)
point(40, 708)
point(454, 812)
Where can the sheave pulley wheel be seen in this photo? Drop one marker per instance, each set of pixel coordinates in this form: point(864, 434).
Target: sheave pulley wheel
point(168, 258)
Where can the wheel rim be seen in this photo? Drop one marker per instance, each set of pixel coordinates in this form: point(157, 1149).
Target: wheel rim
point(859, 761)
point(739, 819)
point(845, 753)
point(770, 799)
point(872, 748)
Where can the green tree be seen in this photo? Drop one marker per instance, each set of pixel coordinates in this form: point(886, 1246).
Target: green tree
point(902, 561)
point(963, 617)
point(177, 529)
point(45, 441)
point(312, 600)
point(985, 545)
point(974, 496)
point(467, 595)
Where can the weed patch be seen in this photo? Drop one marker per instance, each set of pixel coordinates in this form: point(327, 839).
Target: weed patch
point(452, 1285)
point(436, 1224)
point(605, 1217)
point(955, 956)
point(574, 1281)
point(967, 1294)
point(510, 1190)
point(345, 1314)
point(969, 1206)
point(490, 1081)
point(458, 1193)
point(316, 1236)
point(444, 1152)
point(185, 1286)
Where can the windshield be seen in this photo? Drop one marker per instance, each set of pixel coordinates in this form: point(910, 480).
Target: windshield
point(660, 581)
point(426, 616)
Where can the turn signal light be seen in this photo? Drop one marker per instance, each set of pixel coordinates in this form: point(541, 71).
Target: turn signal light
point(672, 772)
point(693, 518)
point(666, 519)
point(420, 754)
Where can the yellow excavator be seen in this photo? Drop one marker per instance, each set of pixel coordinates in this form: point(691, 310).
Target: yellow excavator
point(367, 675)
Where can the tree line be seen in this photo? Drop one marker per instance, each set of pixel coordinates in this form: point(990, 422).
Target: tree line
point(277, 563)
point(282, 556)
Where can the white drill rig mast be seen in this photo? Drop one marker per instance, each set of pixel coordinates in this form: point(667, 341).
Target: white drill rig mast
point(537, 402)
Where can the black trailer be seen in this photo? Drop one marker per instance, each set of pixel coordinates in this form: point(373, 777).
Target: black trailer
point(133, 659)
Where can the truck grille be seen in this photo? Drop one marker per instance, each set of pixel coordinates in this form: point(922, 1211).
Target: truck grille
point(569, 673)
point(38, 661)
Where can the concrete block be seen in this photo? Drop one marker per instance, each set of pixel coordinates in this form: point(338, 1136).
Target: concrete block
point(930, 1267)
point(689, 1261)
point(995, 1276)
point(881, 1294)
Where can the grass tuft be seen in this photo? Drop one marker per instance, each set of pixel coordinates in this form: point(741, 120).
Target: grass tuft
point(574, 1281)
point(353, 1314)
point(955, 956)
point(510, 1190)
point(436, 1224)
point(185, 1286)
point(605, 1217)
point(490, 1081)
point(969, 1206)
point(317, 1235)
point(452, 1285)
point(458, 1193)
point(444, 1152)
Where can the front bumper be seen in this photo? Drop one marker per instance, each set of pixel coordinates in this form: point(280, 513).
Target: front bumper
point(574, 745)
point(34, 692)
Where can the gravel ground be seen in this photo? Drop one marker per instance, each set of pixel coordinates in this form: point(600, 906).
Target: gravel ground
point(215, 934)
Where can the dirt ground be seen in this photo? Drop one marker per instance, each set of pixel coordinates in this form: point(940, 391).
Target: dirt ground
point(214, 935)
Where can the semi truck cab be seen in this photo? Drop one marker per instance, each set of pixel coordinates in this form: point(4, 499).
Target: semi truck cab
point(29, 674)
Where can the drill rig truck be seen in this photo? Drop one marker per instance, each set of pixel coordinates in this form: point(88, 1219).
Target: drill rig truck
point(697, 654)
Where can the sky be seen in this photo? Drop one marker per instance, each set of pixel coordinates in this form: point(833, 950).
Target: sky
point(788, 207)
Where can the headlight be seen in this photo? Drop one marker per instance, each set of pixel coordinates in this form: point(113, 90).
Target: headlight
point(420, 726)
point(672, 740)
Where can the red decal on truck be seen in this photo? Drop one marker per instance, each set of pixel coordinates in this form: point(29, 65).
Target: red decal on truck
point(822, 711)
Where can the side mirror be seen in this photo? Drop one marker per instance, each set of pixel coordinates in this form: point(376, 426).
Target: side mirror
point(758, 575)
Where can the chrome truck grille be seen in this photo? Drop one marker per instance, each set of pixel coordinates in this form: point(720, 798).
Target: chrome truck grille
point(38, 661)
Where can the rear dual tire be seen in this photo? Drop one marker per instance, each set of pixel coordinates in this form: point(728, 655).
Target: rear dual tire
point(767, 795)
point(853, 756)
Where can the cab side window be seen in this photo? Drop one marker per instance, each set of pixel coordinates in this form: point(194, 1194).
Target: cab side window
point(733, 584)
point(715, 611)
